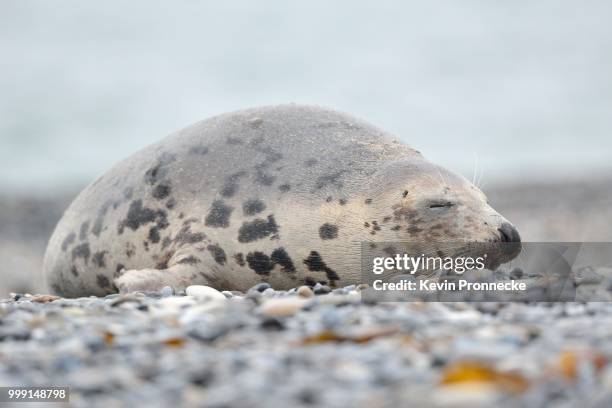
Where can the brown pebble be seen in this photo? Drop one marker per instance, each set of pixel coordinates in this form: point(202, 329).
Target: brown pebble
point(44, 298)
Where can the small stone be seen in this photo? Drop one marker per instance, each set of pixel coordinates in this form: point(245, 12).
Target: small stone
point(268, 292)
point(282, 307)
point(202, 292)
point(587, 275)
point(321, 289)
point(166, 291)
point(44, 298)
point(260, 287)
point(130, 297)
point(516, 273)
point(305, 292)
point(272, 324)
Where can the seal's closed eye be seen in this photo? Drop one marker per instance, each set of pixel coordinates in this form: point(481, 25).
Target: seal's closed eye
point(440, 204)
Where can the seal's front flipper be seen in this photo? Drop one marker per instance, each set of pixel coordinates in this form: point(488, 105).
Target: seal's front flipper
point(178, 277)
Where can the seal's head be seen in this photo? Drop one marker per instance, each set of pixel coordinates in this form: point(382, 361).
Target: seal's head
point(421, 202)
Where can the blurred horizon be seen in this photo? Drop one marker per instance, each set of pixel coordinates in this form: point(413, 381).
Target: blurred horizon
point(516, 91)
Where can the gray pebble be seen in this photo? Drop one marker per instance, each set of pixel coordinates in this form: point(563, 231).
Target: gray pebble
point(166, 291)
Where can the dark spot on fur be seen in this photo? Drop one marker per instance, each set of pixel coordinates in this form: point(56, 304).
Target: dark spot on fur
point(328, 231)
point(201, 150)
point(314, 262)
point(161, 191)
point(257, 229)
point(171, 203)
point(259, 262)
point(239, 258)
point(284, 188)
point(68, 241)
point(342, 201)
point(157, 172)
point(138, 215)
point(181, 216)
point(98, 259)
point(190, 220)
point(282, 258)
point(366, 224)
point(386, 219)
point(185, 236)
point(329, 199)
point(98, 225)
point(310, 162)
point(310, 281)
point(84, 230)
point(263, 178)
point(74, 270)
point(152, 175)
point(217, 253)
point(166, 242)
point(190, 260)
point(81, 251)
point(405, 193)
point(219, 214)
point(130, 249)
point(154, 236)
point(162, 263)
point(413, 230)
point(368, 201)
point(103, 281)
point(145, 244)
point(231, 184)
point(390, 251)
point(396, 228)
point(332, 179)
point(271, 156)
point(253, 206)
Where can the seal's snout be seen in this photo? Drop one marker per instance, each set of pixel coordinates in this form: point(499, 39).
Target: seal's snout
point(509, 234)
point(510, 239)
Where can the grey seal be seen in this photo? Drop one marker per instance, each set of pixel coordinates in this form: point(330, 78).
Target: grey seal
point(281, 194)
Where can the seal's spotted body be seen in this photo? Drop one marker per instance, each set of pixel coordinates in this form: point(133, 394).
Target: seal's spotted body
point(280, 194)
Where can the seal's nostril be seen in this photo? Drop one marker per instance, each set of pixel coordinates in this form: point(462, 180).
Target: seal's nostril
point(507, 233)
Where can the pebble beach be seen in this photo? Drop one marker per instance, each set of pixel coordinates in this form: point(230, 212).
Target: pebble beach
point(274, 348)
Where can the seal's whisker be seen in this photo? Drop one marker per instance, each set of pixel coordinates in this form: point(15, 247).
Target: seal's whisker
point(480, 176)
point(475, 167)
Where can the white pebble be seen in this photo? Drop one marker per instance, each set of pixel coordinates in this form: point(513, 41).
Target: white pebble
point(202, 292)
point(280, 307)
point(305, 292)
